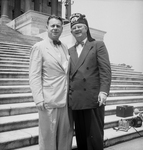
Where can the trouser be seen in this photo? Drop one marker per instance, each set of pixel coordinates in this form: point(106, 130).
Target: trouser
point(89, 125)
point(55, 130)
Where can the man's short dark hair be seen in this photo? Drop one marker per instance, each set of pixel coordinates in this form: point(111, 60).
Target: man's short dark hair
point(56, 17)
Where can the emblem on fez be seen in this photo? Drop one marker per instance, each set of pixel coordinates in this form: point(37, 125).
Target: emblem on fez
point(74, 19)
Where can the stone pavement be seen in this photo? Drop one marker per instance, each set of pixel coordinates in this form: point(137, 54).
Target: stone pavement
point(135, 144)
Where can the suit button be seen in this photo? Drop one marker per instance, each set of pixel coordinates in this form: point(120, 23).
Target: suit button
point(84, 89)
point(87, 68)
point(84, 79)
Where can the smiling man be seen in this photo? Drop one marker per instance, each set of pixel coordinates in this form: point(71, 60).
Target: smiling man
point(90, 79)
point(48, 76)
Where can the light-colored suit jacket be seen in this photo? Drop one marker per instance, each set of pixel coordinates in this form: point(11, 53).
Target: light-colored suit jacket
point(48, 77)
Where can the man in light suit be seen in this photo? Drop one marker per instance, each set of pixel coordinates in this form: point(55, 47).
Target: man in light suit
point(90, 79)
point(48, 75)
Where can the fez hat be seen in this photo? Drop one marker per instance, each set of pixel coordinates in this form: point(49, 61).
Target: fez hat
point(80, 18)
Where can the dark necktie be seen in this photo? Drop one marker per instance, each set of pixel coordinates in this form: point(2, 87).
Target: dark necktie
point(57, 43)
point(79, 43)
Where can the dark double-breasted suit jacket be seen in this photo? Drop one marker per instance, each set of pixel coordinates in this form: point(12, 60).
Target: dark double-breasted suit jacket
point(89, 74)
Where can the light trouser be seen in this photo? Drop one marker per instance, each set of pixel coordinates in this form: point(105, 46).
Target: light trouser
point(55, 129)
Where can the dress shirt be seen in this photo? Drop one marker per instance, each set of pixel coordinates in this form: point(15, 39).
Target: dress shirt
point(79, 47)
point(60, 53)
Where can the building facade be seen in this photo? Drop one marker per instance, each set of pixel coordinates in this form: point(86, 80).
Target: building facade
point(11, 9)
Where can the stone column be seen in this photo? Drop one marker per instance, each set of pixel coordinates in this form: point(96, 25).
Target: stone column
point(37, 5)
point(69, 9)
point(27, 5)
point(4, 12)
point(17, 8)
point(54, 7)
point(66, 8)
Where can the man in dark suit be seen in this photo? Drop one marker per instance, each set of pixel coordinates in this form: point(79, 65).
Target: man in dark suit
point(90, 79)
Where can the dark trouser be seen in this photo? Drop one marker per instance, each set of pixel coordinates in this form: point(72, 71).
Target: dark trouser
point(89, 128)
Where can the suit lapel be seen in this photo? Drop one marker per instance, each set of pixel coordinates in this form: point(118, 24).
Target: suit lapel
point(87, 47)
point(65, 50)
point(74, 56)
point(51, 51)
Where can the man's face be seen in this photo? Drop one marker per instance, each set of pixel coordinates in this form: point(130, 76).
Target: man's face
point(79, 31)
point(54, 29)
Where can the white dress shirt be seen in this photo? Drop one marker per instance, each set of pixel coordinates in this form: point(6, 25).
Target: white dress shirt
point(79, 48)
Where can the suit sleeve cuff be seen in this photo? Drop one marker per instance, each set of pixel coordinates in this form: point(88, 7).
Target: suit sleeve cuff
point(104, 93)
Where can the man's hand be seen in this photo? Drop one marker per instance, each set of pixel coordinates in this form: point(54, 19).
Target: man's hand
point(102, 98)
point(40, 106)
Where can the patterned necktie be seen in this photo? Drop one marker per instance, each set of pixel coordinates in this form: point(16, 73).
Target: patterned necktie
point(57, 43)
point(79, 43)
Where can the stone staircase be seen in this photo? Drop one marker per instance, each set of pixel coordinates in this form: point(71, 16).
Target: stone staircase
point(18, 114)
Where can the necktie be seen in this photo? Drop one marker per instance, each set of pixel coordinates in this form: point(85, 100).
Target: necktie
point(79, 43)
point(57, 43)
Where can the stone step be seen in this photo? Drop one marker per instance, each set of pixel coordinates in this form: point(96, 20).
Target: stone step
point(124, 100)
point(29, 136)
point(36, 147)
point(16, 98)
point(14, 89)
point(128, 75)
point(113, 137)
point(11, 109)
point(121, 66)
point(127, 82)
point(14, 75)
point(21, 121)
point(14, 49)
point(118, 68)
point(26, 75)
point(16, 66)
point(133, 78)
point(14, 56)
point(15, 52)
point(15, 69)
point(25, 81)
point(114, 70)
point(24, 89)
point(13, 64)
point(126, 87)
point(115, 89)
point(10, 59)
point(11, 45)
point(14, 81)
point(16, 122)
point(133, 144)
point(118, 93)
point(16, 63)
point(20, 138)
point(11, 56)
point(122, 72)
point(27, 97)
